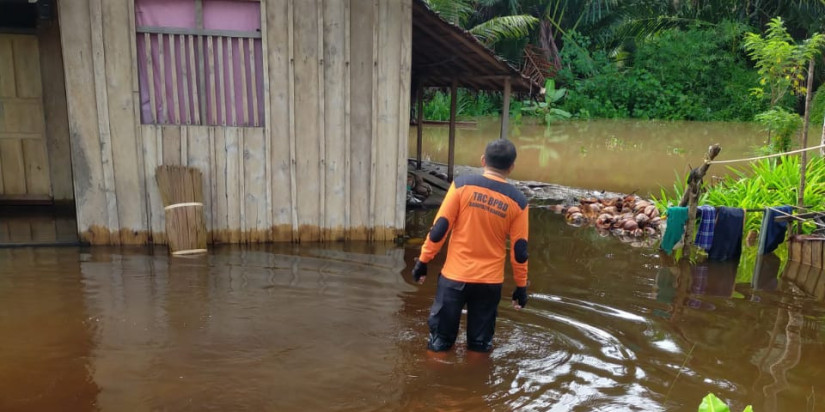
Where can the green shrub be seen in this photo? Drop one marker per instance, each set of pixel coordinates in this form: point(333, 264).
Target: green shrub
point(468, 105)
point(692, 74)
point(782, 125)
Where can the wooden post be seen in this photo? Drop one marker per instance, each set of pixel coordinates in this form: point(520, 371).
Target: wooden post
point(803, 161)
point(691, 196)
point(505, 108)
point(693, 199)
point(419, 123)
point(451, 155)
point(699, 172)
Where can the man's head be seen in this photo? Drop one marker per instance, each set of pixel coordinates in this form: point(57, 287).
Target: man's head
point(500, 154)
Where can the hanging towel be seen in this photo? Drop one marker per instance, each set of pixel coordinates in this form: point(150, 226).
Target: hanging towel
point(773, 232)
point(727, 235)
point(704, 237)
point(676, 219)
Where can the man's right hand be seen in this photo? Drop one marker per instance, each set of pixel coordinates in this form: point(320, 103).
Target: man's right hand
point(419, 272)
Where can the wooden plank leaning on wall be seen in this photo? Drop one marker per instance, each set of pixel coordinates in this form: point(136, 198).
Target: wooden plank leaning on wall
point(277, 49)
point(83, 122)
point(362, 20)
point(336, 79)
point(306, 113)
point(128, 167)
point(387, 96)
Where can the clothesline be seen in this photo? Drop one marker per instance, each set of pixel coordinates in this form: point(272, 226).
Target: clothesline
point(716, 162)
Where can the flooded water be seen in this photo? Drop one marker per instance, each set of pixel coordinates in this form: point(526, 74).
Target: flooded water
point(340, 327)
point(615, 155)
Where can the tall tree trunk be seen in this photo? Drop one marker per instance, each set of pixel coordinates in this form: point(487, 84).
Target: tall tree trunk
point(547, 41)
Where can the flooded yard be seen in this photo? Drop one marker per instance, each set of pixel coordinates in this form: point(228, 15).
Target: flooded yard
point(614, 155)
point(341, 327)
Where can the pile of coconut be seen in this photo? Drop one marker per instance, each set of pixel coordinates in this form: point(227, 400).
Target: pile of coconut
point(623, 216)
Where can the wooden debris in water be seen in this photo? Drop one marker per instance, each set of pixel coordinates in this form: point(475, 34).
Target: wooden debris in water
point(181, 189)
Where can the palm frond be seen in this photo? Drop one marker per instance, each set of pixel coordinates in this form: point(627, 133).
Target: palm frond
point(505, 27)
point(454, 11)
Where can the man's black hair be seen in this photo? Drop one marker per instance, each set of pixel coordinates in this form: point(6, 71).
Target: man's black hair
point(500, 154)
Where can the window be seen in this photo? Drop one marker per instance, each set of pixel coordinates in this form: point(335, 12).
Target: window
point(200, 62)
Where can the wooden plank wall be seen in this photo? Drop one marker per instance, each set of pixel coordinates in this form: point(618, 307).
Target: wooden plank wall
point(329, 164)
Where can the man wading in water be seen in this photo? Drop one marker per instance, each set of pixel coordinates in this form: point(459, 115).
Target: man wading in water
point(481, 211)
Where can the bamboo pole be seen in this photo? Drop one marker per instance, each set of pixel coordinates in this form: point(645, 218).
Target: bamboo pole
point(505, 109)
point(419, 123)
point(803, 161)
point(451, 155)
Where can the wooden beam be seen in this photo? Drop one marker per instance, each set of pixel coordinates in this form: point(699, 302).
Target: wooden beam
point(201, 68)
point(505, 109)
point(451, 155)
point(419, 123)
point(199, 32)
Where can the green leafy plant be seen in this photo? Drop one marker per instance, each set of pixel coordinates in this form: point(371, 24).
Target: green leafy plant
point(546, 110)
point(711, 403)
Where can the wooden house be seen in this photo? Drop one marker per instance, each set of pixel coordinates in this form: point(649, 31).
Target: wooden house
point(296, 111)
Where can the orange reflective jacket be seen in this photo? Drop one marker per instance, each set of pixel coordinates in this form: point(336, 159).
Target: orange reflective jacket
point(481, 212)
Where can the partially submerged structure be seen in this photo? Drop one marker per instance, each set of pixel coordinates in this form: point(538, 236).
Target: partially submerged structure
point(445, 56)
point(296, 111)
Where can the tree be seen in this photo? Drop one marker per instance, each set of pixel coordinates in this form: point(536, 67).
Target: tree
point(779, 61)
point(489, 31)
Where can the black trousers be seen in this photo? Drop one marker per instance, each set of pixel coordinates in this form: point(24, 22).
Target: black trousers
point(482, 308)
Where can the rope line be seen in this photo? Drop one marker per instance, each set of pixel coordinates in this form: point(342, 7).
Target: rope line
point(716, 162)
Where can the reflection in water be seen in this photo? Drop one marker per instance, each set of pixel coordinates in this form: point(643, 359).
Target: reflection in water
point(46, 335)
point(615, 155)
point(287, 327)
point(243, 329)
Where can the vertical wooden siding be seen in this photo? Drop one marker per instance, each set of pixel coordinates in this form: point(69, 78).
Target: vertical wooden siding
point(330, 164)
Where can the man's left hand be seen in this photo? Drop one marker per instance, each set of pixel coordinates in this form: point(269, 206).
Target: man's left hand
point(520, 297)
point(419, 272)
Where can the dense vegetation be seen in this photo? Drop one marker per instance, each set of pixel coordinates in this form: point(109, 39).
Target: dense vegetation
point(644, 59)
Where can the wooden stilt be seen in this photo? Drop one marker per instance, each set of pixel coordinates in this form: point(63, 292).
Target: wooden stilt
point(419, 123)
point(505, 109)
point(451, 156)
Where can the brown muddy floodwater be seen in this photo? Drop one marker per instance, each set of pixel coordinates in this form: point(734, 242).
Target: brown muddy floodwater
point(614, 155)
point(340, 327)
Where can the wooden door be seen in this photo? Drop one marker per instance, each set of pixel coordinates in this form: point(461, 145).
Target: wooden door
point(24, 165)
